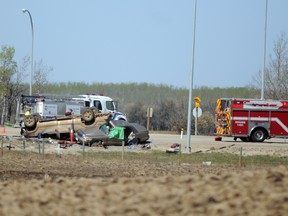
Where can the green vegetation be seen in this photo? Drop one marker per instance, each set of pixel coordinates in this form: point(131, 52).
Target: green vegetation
point(193, 158)
point(156, 156)
point(126, 93)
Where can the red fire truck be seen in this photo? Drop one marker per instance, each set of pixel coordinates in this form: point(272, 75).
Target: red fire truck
point(251, 120)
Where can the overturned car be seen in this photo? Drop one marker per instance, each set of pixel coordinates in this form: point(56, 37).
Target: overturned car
point(113, 133)
point(34, 125)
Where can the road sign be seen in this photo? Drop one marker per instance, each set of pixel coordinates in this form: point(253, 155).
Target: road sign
point(197, 101)
point(198, 113)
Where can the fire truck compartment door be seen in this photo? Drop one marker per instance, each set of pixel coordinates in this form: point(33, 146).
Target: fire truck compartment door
point(240, 124)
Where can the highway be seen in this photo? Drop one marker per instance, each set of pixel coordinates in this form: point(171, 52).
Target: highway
point(274, 146)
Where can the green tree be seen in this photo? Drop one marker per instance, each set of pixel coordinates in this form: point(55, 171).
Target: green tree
point(7, 69)
point(17, 87)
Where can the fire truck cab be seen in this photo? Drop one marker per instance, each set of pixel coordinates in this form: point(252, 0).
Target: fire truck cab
point(251, 119)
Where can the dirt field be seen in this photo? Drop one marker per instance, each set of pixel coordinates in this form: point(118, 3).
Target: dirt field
point(72, 185)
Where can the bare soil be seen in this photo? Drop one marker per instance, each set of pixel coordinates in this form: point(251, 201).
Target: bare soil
point(33, 184)
point(73, 185)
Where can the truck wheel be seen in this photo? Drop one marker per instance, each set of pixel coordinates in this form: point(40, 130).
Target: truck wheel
point(30, 121)
point(88, 115)
point(259, 135)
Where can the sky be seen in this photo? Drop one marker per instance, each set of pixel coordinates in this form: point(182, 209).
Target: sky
point(151, 41)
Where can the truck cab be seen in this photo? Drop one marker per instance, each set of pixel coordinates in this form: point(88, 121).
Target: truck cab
point(103, 104)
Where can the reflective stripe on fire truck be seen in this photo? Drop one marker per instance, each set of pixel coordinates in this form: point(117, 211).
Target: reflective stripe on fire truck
point(277, 120)
point(218, 105)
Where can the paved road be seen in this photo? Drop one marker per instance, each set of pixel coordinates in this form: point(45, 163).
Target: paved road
point(9, 131)
point(273, 146)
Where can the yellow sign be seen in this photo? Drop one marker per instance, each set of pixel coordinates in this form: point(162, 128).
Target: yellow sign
point(197, 101)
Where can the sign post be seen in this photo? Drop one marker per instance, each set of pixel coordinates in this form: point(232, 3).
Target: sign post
point(149, 115)
point(197, 112)
point(181, 134)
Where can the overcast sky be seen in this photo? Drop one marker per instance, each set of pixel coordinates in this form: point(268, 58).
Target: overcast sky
point(123, 41)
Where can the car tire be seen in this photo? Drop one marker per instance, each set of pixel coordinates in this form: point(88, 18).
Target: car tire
point(88, 115)
point(30, 121)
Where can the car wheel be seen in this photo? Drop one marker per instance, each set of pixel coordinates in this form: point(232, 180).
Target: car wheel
point(30, 121)
point(88, 115)
point(259, 135)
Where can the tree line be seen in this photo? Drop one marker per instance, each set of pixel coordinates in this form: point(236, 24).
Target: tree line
point(169, 103)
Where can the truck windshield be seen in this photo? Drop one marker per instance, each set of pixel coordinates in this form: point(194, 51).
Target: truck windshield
point(225, 104)
point(110, 105)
